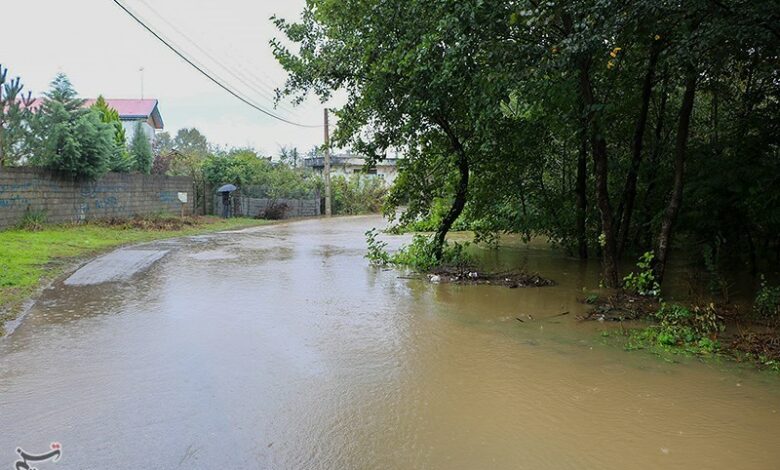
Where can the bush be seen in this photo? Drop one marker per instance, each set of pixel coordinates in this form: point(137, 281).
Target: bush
point(695, 330)
point(766, 305)
point(357, 195)
point(419, 254)
point(643, 282)
point(33, 220)
point(274, 211)
point(119, 160)
point(377, 250)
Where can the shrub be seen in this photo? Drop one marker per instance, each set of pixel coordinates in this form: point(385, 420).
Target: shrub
point(419, 254)
point(643, 282)
point(275, 211)
point(357, 195)
point(119, 160)
point(766, 305)
point(694, 330)
point(377, 250)
point(33, 220)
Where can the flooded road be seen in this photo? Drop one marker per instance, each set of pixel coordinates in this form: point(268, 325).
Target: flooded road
point(279, 347)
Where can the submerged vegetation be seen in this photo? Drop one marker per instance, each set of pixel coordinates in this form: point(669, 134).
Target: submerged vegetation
point(419, 255)
point(642, 282)
point(693, 330)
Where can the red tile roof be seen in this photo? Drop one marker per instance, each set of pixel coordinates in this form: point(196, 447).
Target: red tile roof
point(127, 108)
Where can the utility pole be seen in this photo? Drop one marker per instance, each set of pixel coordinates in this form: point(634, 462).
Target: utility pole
point(141, 70)
point(326, 166)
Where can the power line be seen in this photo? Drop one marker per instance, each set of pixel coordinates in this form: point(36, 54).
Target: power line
point(265, 91)
point(207, 75)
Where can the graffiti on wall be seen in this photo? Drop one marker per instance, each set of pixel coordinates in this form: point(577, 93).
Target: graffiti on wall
point(67, 201)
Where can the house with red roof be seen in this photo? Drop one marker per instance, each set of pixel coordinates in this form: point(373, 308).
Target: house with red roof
point(145, 111)
point(131, 112)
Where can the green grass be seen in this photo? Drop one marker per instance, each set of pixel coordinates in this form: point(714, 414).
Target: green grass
point(30, 258)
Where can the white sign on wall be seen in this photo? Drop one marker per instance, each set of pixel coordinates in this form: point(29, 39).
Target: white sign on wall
point(183, 198)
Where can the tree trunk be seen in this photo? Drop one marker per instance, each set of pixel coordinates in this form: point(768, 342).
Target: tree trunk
point(643, 237)
point(626, 207)
point(581, 188)
point(461, 194)
point(600, 167)
point(675, 199)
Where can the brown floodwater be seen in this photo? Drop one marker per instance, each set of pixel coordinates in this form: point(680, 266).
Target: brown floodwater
point(279, 347)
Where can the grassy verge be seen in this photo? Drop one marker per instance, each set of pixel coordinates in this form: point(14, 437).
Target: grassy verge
point(29, 258)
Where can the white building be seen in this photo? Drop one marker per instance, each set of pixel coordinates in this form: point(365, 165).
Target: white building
point(133, 111)
point(347, 165)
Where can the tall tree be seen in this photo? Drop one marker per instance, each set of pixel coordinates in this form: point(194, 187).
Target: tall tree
point(69, 138)
point(120, 160)
point(191, 141)
point(163, 144)
point(14, 117)
point(141, 150)
point(680, 152)
point(415, 79)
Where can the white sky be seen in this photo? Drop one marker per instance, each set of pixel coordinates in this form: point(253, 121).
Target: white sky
point(101, 49)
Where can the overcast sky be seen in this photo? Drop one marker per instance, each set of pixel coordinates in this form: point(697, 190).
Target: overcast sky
point(101, 49)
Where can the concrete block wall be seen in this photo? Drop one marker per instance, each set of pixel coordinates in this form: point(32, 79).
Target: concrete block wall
point(65, 200)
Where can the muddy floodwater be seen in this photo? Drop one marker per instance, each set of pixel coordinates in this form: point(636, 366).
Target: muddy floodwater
point(279, 347)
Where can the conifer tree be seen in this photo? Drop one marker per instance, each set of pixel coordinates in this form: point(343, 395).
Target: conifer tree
point(141, 151)
point(69, 138)
point(120, 160)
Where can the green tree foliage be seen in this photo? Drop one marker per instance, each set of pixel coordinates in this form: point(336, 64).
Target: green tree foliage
point(609, 127)
point(61, 91)
point(14, 118)
point(257, 176)
point(415, 80)
point(141, 150)
point(120, 160)
point(357, 194)
point(163, 144)
point(239, 167)
point(290, 156)
point(191, 141)
point(69, 138)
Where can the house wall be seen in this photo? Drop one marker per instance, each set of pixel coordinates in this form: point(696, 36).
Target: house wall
point(385, 173)
point(147, 128)
point(64, 200)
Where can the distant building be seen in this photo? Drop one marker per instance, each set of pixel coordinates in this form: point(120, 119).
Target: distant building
point(130, 112)
point(347, 165)
point(134, 111)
